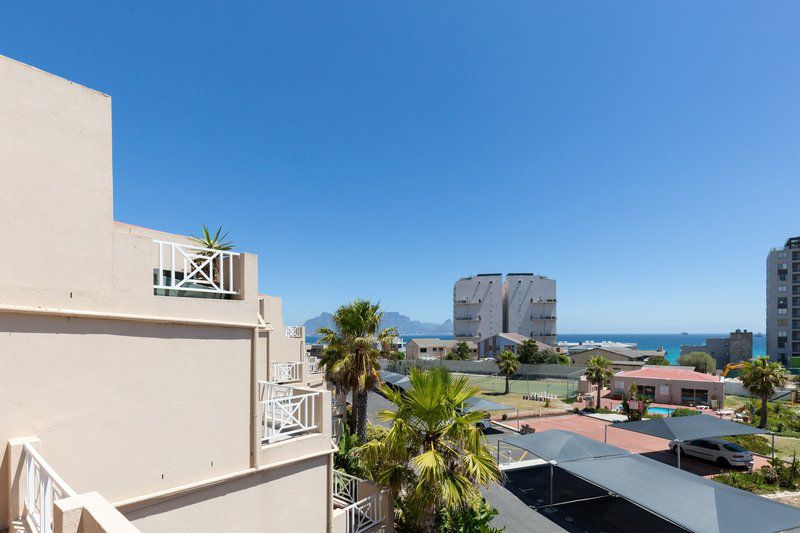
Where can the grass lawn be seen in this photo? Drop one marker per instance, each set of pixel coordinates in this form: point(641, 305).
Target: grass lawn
point(560, 387)
point(786, 446)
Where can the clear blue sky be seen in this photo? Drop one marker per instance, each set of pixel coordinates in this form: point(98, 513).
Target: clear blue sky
point(644, 154)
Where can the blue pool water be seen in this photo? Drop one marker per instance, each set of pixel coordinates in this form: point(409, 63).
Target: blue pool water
point(664, 411)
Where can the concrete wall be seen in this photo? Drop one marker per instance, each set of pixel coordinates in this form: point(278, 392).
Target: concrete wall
point(672, 393)
point(290, 498)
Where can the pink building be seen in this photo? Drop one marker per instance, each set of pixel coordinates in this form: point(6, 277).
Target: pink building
point(676, 386)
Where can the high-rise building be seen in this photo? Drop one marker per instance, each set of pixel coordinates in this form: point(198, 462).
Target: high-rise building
point(478, 307)
point(529, 306)
point(783, 303)
point(484, 306)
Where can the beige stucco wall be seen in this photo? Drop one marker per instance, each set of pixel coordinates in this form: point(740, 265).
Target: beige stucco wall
point(285, 499)
point(673, 396)
point(117, 405)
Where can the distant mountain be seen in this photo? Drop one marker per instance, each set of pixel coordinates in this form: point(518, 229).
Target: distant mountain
point(404, 324)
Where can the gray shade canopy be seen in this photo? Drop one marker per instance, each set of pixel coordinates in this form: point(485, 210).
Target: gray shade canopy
point(395, 379)
point(685, 428)
point(561, 446)
point(481, 404)
point(690, 501)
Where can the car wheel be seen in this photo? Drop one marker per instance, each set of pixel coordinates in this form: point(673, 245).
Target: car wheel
point(721, 461)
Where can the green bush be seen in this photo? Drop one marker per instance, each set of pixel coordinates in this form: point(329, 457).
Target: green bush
point(473, 519)
point(682, 411)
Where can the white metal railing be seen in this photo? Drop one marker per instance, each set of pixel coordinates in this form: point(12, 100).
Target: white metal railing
point(345, 488)
point(286, 372)
point(294, 332)
point(288, 414)
point(314, 366)
point(364, 514)
point(43, 487)
point(200, 269)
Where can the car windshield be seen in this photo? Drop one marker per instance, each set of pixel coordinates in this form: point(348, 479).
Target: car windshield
point(733, 447)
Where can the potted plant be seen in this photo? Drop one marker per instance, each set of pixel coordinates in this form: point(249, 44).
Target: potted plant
point(211, 244)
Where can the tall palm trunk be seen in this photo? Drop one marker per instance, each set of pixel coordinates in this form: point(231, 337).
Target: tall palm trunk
point(599, 391)
point(360, 413)
point(506, 383)
point(763, 423)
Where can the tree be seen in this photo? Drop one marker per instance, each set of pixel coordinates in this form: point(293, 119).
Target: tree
point(434, 456)
point(527, 352)
point(761, 378)
point(598, 372)
point(658, 360)
point(350, 360)
point(701, 361)
point(210, 268)
point(508, 364)
point(460, 353)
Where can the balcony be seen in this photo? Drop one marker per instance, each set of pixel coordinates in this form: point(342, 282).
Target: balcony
point(543, 317)
point(295, 332)
point(467, 319)
point(185, 270)
point(468, 301)
point(314, 366)
point(287, 412)
point(283, 372)
point(360, 505)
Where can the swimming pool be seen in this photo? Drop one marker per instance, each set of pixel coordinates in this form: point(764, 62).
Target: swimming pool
point(663, 411)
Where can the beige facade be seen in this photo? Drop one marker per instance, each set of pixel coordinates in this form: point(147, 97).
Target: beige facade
point(676, 386)
point(435, 348)
point(153, 405)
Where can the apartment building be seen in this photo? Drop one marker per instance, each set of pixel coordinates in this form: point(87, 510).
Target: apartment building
point(484, 306)
point(478, 307)
point(734, 348)
point(529, 306)
point(783, 303)
point(147, 384)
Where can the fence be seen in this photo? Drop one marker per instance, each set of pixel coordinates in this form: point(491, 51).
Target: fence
point(560, 380)
point(194, 269)
point(43, 487)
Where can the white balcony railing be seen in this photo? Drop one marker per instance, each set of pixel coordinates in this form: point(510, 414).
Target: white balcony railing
point(294, 332)
point(287, 414)
point(195, 269)
point(362, 514)
point(286, 372)
point(314, 367)
point(345, 488)
point(43, 487)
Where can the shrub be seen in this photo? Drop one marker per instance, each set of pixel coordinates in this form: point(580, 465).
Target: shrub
point(682, 411)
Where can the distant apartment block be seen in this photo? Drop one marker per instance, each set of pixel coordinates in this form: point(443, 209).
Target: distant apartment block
point(734, 348)
point(529, 307)
point(478, 307)
point(148, 384)
point(783, 303)
point(484, 306)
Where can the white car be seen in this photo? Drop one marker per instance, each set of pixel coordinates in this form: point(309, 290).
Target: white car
point(720, 451)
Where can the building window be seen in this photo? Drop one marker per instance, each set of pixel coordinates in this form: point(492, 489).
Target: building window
point(782, 311)
point(782, 334)
point(783, 288)
point(783, 255)
point(423, 350)
point(783, 322)
point(783, 302)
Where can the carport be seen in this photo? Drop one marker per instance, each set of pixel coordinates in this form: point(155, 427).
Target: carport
point(396, 380)
point(687, 428)
point(684, 500)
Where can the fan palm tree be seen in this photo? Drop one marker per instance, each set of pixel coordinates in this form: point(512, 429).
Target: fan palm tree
point(761, 378)
point(434, 456)
point(508, 364)
point(350, 358)
point(598, 372)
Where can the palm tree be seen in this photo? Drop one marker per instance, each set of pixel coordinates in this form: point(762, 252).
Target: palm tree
point(761, 378)
point(434, 456)
point(508, 364)
point(350, 358)
point(598, 372)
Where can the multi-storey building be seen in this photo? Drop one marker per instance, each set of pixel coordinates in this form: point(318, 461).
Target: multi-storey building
point(529, 306)
point(734, 348)
point(147, 385)
point(484, 306)
point(478, 307)
point(783, 303)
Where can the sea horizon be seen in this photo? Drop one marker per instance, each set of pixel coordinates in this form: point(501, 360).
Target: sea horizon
point(671, 342)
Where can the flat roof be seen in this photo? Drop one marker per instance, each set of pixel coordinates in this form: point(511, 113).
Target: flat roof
point(685, 428)
point(665, 372)
point(686, 500)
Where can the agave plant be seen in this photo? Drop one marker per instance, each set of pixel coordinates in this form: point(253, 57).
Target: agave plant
point(212, 244)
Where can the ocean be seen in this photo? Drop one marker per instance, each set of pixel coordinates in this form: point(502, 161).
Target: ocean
point(671, 342)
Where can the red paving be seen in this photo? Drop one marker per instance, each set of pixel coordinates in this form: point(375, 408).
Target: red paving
point(652, 447)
